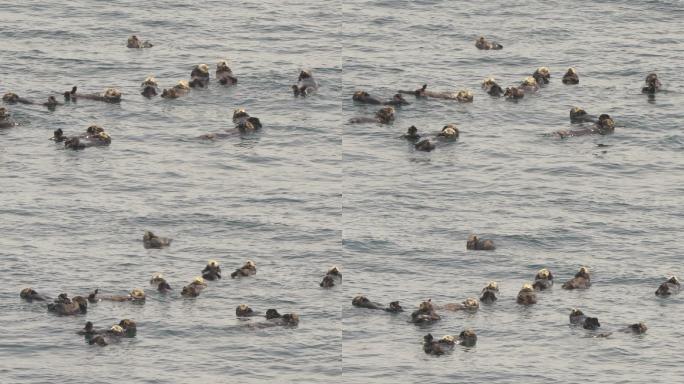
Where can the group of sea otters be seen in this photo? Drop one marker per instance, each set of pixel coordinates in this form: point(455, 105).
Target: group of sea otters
point(306, 85)
point(78, 305)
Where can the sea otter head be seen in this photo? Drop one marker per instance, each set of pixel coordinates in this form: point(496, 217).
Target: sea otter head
point(544, 72)
point(605, 124)
point(359, 95)
point(492, 286)
point(94, 130)
point(488, 82)
point(360, 301)
point(652, 79)
point(449, 131)
point(240, 113)
point(27, 293)
point(183, 85)
point(571, 72)
point(243, 310)
point(116, 330)
point(137, 294)
point(272, 314)
point(157, 278)
point(426, 306)
point(527, 287)
point(471, 303)
point(198, 281)
point(544, 274)
point(467, 338)
point(250, 264)
point(385, 114)
point(128, 325)
point(133, 42)
point(447, 339)
point(290, 319)
point(334, 271)
point(638, 328)
point(222, 66)
point(529, 81)
point(149, 87)
point(583, 272)
point(10, 98)
point(395, 307)
point(412, 131)
point(4, 113)
point(513, 93)
point(673, 280)
point(82, 303)
point(464, 95)
point(472, 241)
point(213, 264)
point(112, 95)
point(201, 70)
point(169, 93)
point(576, 312)
point(576, 112)
point(304, 74)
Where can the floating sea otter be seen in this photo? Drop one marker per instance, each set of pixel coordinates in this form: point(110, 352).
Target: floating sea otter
point(248, 269)
point(274, 319)
point(305, 84)
point(194, 288)
point(134, 42)
point(363, 302)
point(13, 98)
point(579, 115)
point(543, 280)
point(526, 296)
point(199, 77)
point(529, 85)
point(425, 146)
point(110, 95)
point(604, 126)
point(425, 314)
point(150, 240)
point(482, 43)
point(514, 93)
point(384, 115)
point(95, 136)
point(669, 287)
point(467, 338)
point(149, 87)
point(411, 134)
point(653, 85)
point(332, 277)
point(212, 271)
point(5, 119)
point(224, 74)
point(470, 305)
point(449, 132)
point(462, 96)
point(491, 87)
point(29, 294)
point(244, 122)
point(489, 293)
point(243, 310)
point(65, 306)
point(542, 75)
point(136, 295)
point(159, 281)
point(571, 77)
point(577, 317)
point(178, 90)
point(582, 280)
point(364, 97)
point(474, 243)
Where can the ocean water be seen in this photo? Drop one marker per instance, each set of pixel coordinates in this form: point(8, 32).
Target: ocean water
point(310, 190)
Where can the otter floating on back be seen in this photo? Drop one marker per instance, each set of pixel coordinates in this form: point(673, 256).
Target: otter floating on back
point(13, 98)
point(178, 90)
point(425, 314)
point(669, 287)
point(462, 96)
point(199, 77)
point(95, 136)
point(653, 84)
point(305, 84)
point(135, 42)
point(484, 44)
point(364, 97)
point(332, 277)
point(29, 295)
point(604, 126)
point(543, 280)
point(149, 87)
point(248, 269)
point(542, 75)
point(490, 86)
point(526, 296)
point(110, 95)
point(212, 271)
point(571, 77)
point(150, 240)
point(582, 280)
point(224, 74)
point(489, 293)
point(159, 281)
point(475, 244)
point(384, 115)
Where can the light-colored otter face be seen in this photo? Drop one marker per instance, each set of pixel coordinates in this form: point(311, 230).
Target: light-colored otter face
point(527, 287)
point(529, 81)
point(386, 114)
point(543, 273)
point(448, 339)
point(305, 74)
point(544, 71)
point(584, 270)
point(212, 264)
point(138, 294)
point(450, 130)
point(112, 93)
point(488, 82)
point(183, 84)
point(471, 303)
point(199, 280)
point(571, 71)
point(150, 81)
point(492, 285)
point(360, 94)
point(674, 280)
point(203, 69)
point(133, 41)
point(240, 112)
point(464, 94)
point(157, 277)
point(334, 270)
point(576, 312)
point(117, 330)
point(576, 111)
point(250, 264)
point(222, 66)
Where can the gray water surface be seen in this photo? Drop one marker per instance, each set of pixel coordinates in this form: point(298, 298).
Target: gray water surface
point(309, 190)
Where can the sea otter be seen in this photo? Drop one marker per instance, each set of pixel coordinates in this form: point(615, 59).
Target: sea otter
point(529, 85)
point(149, 87)
point(199, 77)
point(604, 126)
point(363, 302)
point(526, 296)
point(463, 96)
point(384, 115)
point(285, 320)
point(65, 306)
point(653, 84)
point(571, 77)
point(475, 244)
point(129, 327)
point(577, 316)
point(579, 115)
point(5, 119)
point(591, 323)
point(489, 293)
point(110, 95)
point(482, 43)
point(424, 146)
point(490, 86)
point(542, 75)
point(89, 330)
point(178, 90)
point(543, 280)
point(94, 136)
point(136, 295)
point(449, 132)
point(212, 271)
point(160, 282)
point(332, 277)
point(243, 310)
point(244, 122)
point(224, 74)
point(134, 42)
point(669, 287)
point(582, 280)
point(411, 134)
point(150, 240)
point(13, 98)
point(514, 93)
point(29, 294)
point(194, 288)
point(248, 269)
point(58, 136)
point(438, 347)
point(305, 84)
point(425, 314)
point(470, 304)
point(637, 328)
point(364, 97)
point(52, 103)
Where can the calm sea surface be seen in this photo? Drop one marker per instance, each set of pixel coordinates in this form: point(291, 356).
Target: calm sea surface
point(309, 190)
